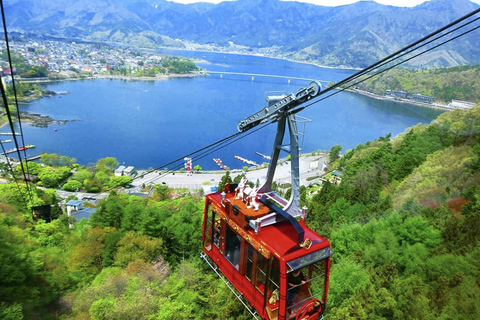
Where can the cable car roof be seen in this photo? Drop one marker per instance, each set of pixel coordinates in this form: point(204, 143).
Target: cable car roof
point(280, 239)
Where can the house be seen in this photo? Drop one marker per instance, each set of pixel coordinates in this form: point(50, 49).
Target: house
point(129, 171)
point(458, 104)
point(119, 171)
point(76, 210)
point(421, 98)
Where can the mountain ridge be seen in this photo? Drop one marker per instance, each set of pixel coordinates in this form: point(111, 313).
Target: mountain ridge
point(353, 35)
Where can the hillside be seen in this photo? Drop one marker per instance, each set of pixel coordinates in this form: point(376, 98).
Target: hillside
point(445, 84)
point(353, 35)
point(403, 224)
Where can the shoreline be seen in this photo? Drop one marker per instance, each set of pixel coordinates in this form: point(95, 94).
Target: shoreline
point(403, 101)
point(115, 77)
point(279, 57)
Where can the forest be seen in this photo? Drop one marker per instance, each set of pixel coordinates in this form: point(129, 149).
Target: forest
point(444, 84)
point(404, 223)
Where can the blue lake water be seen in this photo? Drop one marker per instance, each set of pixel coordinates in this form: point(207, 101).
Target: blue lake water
point(149, 123)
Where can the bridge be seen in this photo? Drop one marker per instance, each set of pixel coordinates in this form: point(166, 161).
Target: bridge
point(253, 75)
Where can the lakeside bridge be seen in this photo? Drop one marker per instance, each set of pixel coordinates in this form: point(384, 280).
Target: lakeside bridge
point(253, 75)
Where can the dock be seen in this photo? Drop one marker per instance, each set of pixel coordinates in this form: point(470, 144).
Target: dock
point(29, 146)
point(9, 134)
point(34, 158)
point(250, 162)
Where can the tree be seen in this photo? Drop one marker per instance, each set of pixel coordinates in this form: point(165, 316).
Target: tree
point(72, 185)
point(67, 161)
point(197, 168)
point(30, 167)
point(162, 192)
point(82, 175)
point(121, 181)
point(224, 180)
point(108, 164)
point(50, 159)
point(334, 153)
point(134, 246)
point(110, 211)
point(50, 178)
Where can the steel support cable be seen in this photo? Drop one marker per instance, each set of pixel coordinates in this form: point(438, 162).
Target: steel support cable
point(360, 74)
point(7, 109)
point(419, 47)
point(208, 152)
point(13, 174)
point(391, 67)
point(10, 122)
point(199, 150)
point(376, 64)
point(212, 145)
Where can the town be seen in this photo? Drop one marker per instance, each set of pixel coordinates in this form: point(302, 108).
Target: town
point(56, 60)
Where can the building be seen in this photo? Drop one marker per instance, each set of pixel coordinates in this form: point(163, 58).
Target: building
point(396, 94)
point(405, 95)
point(458, 104)
point(129, 171)
point(76, 210)
point(119, 171)
point(421, 98)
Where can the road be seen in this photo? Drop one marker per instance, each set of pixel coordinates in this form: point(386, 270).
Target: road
point(211, 178)
point(208, 179)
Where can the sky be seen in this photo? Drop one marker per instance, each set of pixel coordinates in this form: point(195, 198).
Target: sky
point(398, 3)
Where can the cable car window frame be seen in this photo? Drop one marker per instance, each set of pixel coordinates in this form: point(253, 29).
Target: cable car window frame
point(309, 259)
point(212, 229)
point(311, 278)
point(264, 272)
point(229, 236)
point(208, 228)
point(249, 275)
point(217, 230)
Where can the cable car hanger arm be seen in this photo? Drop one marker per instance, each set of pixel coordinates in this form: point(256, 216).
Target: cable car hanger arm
point(280, 106)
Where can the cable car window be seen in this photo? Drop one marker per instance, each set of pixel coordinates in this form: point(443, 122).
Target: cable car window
point(212, 219)
point(232, 247)
point(261, 272)
point(217, 230)
point(306, 286)
point(274, 284)
point(274, 279)
point(309, 259)
point(249, 263)
point(207, 242)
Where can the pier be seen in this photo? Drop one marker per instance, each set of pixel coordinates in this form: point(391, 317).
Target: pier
point(34, 158)
point(253, 75)
point(9, 134)
point(21, 149)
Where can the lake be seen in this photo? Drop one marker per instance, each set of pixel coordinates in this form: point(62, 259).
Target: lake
point(149, 123)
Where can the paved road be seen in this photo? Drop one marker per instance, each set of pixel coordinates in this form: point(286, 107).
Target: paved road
point(211, 178)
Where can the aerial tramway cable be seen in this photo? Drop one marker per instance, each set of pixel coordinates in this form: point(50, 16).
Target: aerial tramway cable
point(220, 144)
point(7, 110)
point(395, 56)
point(395, 65)
point(13, 174)
point(208, 152)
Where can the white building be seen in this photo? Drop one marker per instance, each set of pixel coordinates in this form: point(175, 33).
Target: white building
point(458, 104)
point(119, 171)
point(129, 170)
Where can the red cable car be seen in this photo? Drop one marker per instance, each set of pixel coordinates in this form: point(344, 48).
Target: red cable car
point(259, 241)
